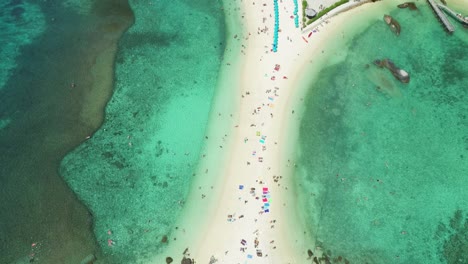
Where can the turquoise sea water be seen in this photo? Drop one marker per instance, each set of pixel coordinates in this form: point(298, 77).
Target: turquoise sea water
point(46, 46)
point(135, 171)
point(20, 23)
point(383, 165)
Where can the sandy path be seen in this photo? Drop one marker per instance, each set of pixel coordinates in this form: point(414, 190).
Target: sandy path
point(263, 132)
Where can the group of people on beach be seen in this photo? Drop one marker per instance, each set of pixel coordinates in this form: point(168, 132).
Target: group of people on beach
point(254, 208)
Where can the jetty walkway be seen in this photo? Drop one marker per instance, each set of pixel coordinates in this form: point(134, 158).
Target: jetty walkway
point(458, 17)
point(441, 16)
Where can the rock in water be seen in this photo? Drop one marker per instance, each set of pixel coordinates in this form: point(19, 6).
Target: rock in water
point(410, 5)
point(400, 74)
point(169, 260)
point(378, 63)
point(387, 19)
point(316, 260)
point(394, 25)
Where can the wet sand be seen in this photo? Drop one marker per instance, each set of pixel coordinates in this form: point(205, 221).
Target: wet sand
point(249, 207)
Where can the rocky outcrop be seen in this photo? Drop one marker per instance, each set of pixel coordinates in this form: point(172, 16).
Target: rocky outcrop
point(410, 5)
point(399, 74)
point(394, 25)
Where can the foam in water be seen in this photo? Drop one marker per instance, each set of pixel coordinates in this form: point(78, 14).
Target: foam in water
point(383, 164)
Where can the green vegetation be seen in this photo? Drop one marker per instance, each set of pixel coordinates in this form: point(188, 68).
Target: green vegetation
point(324, 11)
point(304, 6)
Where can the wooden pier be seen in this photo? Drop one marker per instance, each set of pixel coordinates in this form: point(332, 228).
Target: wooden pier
point(448, 26)
point(460, 18)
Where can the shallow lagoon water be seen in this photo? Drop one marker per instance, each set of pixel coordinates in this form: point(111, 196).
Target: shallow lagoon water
point(135, 172)
point(383, 164)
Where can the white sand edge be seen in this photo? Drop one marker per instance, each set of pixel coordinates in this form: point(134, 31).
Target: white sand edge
point(205, 228)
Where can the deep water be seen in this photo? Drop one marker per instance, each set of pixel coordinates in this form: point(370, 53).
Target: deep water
point(45, 47)
point(383, 165)
point(135, 172)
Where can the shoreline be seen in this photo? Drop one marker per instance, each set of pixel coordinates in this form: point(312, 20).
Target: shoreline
point(211, 154)
point(220, 236)
point(156, 149)
point(376, 11)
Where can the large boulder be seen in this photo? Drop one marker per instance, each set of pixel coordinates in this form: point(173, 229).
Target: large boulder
point(393, 24)
point(399, 74)
point(410, 5)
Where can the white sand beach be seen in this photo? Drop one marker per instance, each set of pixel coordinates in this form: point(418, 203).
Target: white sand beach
point(247, 206)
